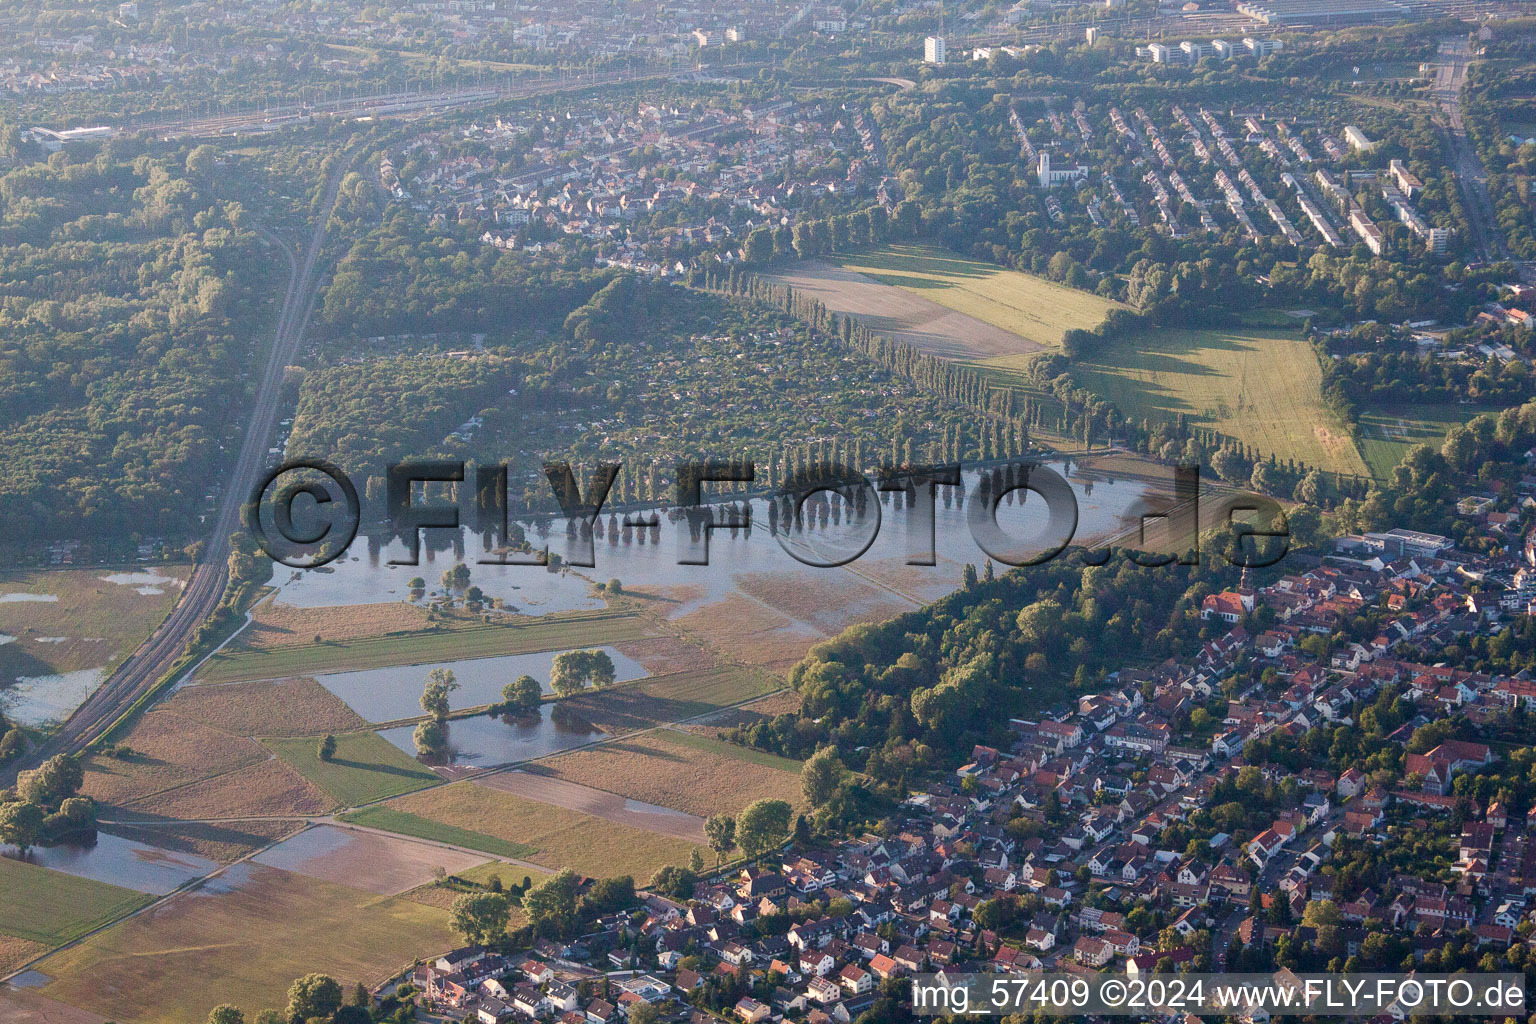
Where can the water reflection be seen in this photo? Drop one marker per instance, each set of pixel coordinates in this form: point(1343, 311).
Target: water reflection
point(485, 742)
point(648, 557)
point(118, 861)
point(390, 694)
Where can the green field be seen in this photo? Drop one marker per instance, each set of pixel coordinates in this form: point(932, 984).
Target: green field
point(418, 648)
point(1031, 307)
point(1261, 386)
point(1388, 433)
point(408, 824)
point(713, 746)
point(52, 908)
point(366, 768)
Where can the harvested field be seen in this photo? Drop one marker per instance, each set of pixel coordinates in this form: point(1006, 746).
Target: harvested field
point(785, 702)
point(407, 824)
point(168, 751)
point(380, 864)
point(563, 838)
point(751, 632)
point(255, 929)
point(93, 623)
point(365, 768)
point(945, 304)
point(573, 796)
point(51, 907)
point(223, 842)
point(663, 768)
point(267, 788)
point(711, 744)
point(29, 1006)
point(14, 954)
point(670, 699)
point(282, 625)
point(293, 707)
point(664, 655)
point(830, 602)
point(555, 633)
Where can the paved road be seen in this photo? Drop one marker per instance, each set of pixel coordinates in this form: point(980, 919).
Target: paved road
point(205, 588)
point(1471, 177)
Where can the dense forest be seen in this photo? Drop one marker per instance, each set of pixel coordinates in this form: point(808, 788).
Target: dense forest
point(918, 691)
point(130, 299)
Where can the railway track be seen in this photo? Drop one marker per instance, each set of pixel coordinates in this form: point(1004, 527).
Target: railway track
point(149, 664)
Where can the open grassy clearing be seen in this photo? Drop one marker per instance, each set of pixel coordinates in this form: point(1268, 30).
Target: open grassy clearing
point(50, 907)
point(1387, 434)
point(828, 603)
point(1031, 307)
point(1260, 386)
point(563, 838)
point(671, 770)
point(408, 824)
point(255, 929)
point(508, 636)
point(943, 304)
point(77, 620)
point(292, 707)
point(442, 895)
point(366, 767)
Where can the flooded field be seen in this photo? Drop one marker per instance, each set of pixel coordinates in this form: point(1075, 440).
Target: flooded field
point(484, 742)
point(123, 862)
point(390, 694)
point(648, 558)
point(45, 700)
point(385, 865)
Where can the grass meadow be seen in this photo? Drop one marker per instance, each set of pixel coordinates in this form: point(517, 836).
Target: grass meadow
point(1033, 308)
point(50, 907)
point(1387, 434)
point(77, 620)
point(1261, 386)
point(366, 768)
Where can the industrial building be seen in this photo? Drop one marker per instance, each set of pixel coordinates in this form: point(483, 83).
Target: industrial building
point(1324, 12)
